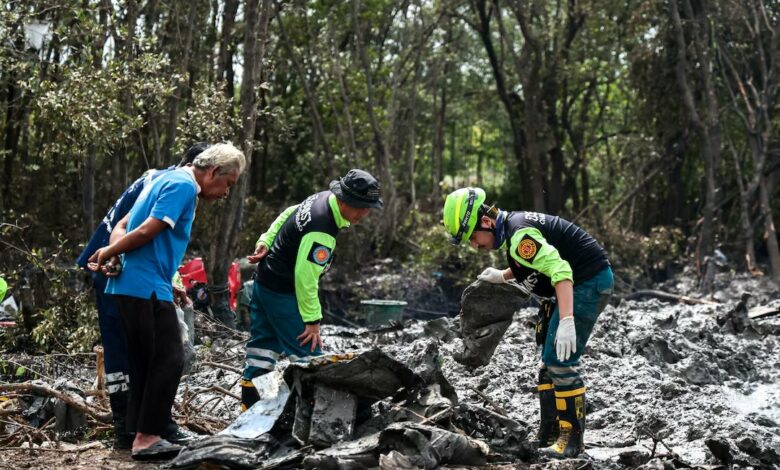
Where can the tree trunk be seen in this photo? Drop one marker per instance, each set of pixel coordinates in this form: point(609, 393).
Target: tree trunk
point(707, 127)
point(225, 57)
point(88, 185)
point(532, 193)
point(744, 216)
point(184, 49)
point(382, 155)
point(770, 234)
point(386, 228)
point(345, 100)
point(223, 249)
point(126, 54)
point(311, 97)
point(438, 141)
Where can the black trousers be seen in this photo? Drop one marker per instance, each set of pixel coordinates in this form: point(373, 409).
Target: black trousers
point(156, 360)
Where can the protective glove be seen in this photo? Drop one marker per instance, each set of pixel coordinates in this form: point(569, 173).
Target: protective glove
point(565, 339)
point(492, 275)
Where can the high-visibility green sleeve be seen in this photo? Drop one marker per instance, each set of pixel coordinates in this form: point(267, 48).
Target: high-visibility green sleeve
point(3, 288)
point(269, 236)
point(314, 255)
point(529, 248)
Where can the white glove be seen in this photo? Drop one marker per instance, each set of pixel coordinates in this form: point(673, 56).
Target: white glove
point(566, 339)
point(492, 275)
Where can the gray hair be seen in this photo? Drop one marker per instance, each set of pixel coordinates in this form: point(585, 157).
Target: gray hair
point(225, 156)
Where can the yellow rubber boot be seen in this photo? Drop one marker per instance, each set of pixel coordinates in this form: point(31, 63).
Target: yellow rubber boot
point(249, 395)
point(571, 423)
point(548, 415)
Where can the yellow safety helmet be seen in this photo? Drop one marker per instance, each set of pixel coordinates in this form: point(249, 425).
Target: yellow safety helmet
point(461, 211)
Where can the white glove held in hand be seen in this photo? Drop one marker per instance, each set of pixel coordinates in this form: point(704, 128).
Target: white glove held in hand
point(565, 339)
point(492, 275)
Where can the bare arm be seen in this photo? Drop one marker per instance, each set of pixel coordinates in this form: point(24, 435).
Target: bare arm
point(564, 293)
point(120, 229)
point(130, 241)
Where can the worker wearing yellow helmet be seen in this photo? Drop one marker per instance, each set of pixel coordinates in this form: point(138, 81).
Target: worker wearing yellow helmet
point(552, 259)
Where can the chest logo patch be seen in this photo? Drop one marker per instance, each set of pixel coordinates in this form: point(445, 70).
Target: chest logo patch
point(528, 248)
point(320, 254)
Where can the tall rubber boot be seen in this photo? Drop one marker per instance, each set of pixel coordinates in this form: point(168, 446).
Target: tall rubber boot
point(548, 415)
point(122, 438)
point(571, 421)
point(249, 395)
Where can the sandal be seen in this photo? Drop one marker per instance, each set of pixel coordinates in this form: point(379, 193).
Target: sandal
point(160, 450)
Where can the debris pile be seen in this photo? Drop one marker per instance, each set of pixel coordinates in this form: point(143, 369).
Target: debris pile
point(358, 411)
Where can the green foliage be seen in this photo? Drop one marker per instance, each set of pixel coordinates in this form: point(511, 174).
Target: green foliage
point(210, 119)
point(70, 326)
point(57, 313)
point(608, 107)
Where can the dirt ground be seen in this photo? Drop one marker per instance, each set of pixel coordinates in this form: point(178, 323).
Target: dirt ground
point(91, 459)
point(669, 385)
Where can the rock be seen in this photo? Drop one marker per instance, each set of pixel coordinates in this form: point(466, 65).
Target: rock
point(720, 448)
point(633, 458)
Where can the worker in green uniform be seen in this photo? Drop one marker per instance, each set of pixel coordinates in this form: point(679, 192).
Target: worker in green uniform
point(292, 254)
point(550, 258)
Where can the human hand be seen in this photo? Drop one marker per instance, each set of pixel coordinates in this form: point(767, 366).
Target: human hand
point(181, 298)
point(100, 261)
point(492, 275)
point(566, 338)
point(311, 333)
point(260, 251)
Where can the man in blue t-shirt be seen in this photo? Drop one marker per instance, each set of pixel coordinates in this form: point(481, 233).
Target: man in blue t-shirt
point(152, 239)
point(113, 338)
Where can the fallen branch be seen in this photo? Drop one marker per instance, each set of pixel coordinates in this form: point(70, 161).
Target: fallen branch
point(213, 388)
point(658, 294)
point(435, 416)
point(490, 402)
point(100, 415)
point(235, 370)
point(90, 446)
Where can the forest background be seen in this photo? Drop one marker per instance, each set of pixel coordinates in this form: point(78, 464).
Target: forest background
point(653, 124)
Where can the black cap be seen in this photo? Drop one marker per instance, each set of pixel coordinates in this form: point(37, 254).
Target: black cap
point(358, 189)
point(193, 152)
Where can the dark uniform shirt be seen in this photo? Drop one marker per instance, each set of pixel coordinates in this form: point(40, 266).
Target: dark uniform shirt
point(546, 249)
point(300, 247)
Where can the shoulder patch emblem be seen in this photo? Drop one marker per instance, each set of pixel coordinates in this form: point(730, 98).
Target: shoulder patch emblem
point(319, 254)
point(528, 248)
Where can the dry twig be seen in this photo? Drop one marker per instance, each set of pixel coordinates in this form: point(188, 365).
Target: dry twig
point(99, 415)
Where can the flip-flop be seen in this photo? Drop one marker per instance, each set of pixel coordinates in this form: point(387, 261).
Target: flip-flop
point(160, 450)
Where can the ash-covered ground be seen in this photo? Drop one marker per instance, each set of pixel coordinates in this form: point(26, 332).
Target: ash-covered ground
point(675, 381)
point(669, 384)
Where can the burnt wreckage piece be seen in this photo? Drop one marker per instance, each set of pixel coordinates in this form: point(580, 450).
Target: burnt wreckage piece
point(360, 409)
point(486, 311)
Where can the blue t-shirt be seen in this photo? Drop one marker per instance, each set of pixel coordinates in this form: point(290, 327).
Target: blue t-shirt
point(149, 268)
point(120, 208)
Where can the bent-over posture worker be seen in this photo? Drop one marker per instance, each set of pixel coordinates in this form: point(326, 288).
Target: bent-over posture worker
point(295, 250)
point(551, 258)
point(153, 244)
point(113, 338)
